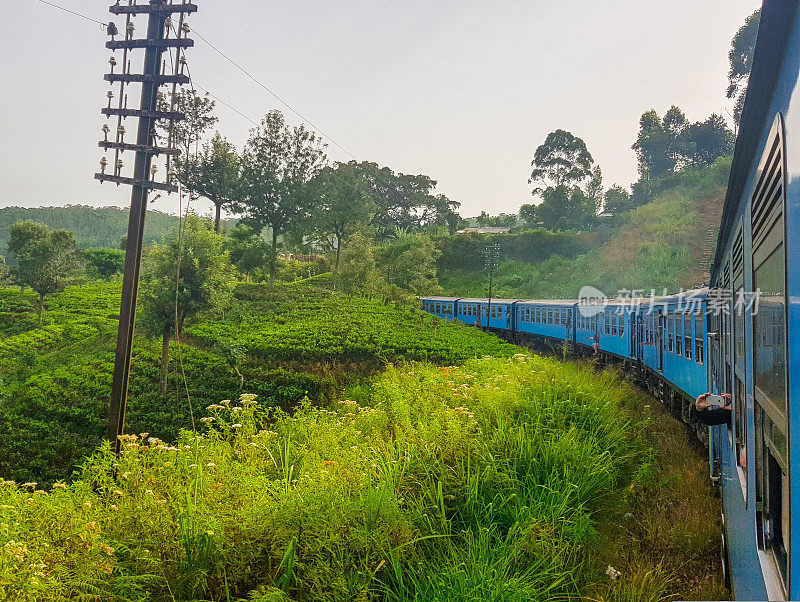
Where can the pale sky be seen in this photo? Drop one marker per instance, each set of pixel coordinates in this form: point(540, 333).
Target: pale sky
point(462, 91)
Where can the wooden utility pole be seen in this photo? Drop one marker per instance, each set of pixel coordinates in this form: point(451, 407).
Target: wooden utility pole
point(159, 28)
point(492, 256)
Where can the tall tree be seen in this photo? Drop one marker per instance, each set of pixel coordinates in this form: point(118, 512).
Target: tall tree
point(43, 258)
point(213, 174)
point(409, 262)
point(565, 208)
point(199, 118)
point(345, 202)
point(655, 145)
point(741, 61)
point(617, 200)
point(188, 274)
point(277, 165)
point(594, 189)
point(708, 140)
point(562, 160)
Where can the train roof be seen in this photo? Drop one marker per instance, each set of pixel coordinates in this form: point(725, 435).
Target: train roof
point(774, 34)
point(441, 298)
point(485, 300)
point(548, 302)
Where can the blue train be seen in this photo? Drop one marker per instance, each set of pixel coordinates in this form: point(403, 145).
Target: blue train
point(738, 336)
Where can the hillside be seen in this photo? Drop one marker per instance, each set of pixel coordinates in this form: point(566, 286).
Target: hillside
point(92, 227)
point(666, 243)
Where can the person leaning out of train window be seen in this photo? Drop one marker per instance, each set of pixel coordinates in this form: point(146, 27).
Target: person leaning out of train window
point(595, 342)
point(713, 415)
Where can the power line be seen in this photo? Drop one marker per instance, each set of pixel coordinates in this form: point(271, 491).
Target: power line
point(219, 100)
point(278, 98)
point(72, 12)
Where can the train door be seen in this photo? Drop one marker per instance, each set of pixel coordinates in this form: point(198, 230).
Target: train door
point(768, 345)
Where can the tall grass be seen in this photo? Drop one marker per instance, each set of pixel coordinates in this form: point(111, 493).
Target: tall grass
point(471, 483)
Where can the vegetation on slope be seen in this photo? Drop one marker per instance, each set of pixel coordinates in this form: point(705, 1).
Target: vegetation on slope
point(280, 344)
point(663, 244)
point(92, 227)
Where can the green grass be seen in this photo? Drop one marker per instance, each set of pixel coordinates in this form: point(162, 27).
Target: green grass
point(453, 483)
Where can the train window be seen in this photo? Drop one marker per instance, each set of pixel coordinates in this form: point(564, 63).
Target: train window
point(668, 328)
point(678, 334)
point(621, 326)
point(698, 337)
point(687, 335)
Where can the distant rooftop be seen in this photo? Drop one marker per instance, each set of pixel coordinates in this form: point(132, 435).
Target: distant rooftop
point(486, 230)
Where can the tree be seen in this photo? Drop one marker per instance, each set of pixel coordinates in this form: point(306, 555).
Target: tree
point(594, 189)
point(562, 160)
point(708, 140)
point(213, 174)
point(5, 271)
point(358, 272)
point(656, 144)
point(105, 262)
point(617, 200)
point(503, 220)
point(566, 209)
point(741, 61)
point(409, 262)
point(248, 251)
point(43, 258)
point(345, 202)
point(277, 165)
point(187, 274)
point(528, 214)
point(197, 109)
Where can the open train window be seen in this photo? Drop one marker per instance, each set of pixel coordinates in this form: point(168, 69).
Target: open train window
point(622, 325)
point(678, 334)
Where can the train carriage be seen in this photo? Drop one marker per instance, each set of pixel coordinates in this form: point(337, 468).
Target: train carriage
point(546, 318)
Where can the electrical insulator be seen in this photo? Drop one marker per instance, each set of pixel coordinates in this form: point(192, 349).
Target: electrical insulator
point(185, 28)
point(103, 165)
point(131, 29)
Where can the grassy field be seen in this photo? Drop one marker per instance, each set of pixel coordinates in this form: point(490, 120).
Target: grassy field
point(488, 481)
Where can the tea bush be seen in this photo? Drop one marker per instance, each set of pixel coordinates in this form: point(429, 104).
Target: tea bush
point(289, 324)
point(453, 483)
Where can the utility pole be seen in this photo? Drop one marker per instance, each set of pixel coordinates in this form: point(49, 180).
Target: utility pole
point(162, 35)
point(492, 257)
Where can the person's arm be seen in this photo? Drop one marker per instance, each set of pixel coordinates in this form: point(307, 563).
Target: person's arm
point(700, 403)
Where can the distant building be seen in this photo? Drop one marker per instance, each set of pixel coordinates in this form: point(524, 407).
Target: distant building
point(486, 230)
